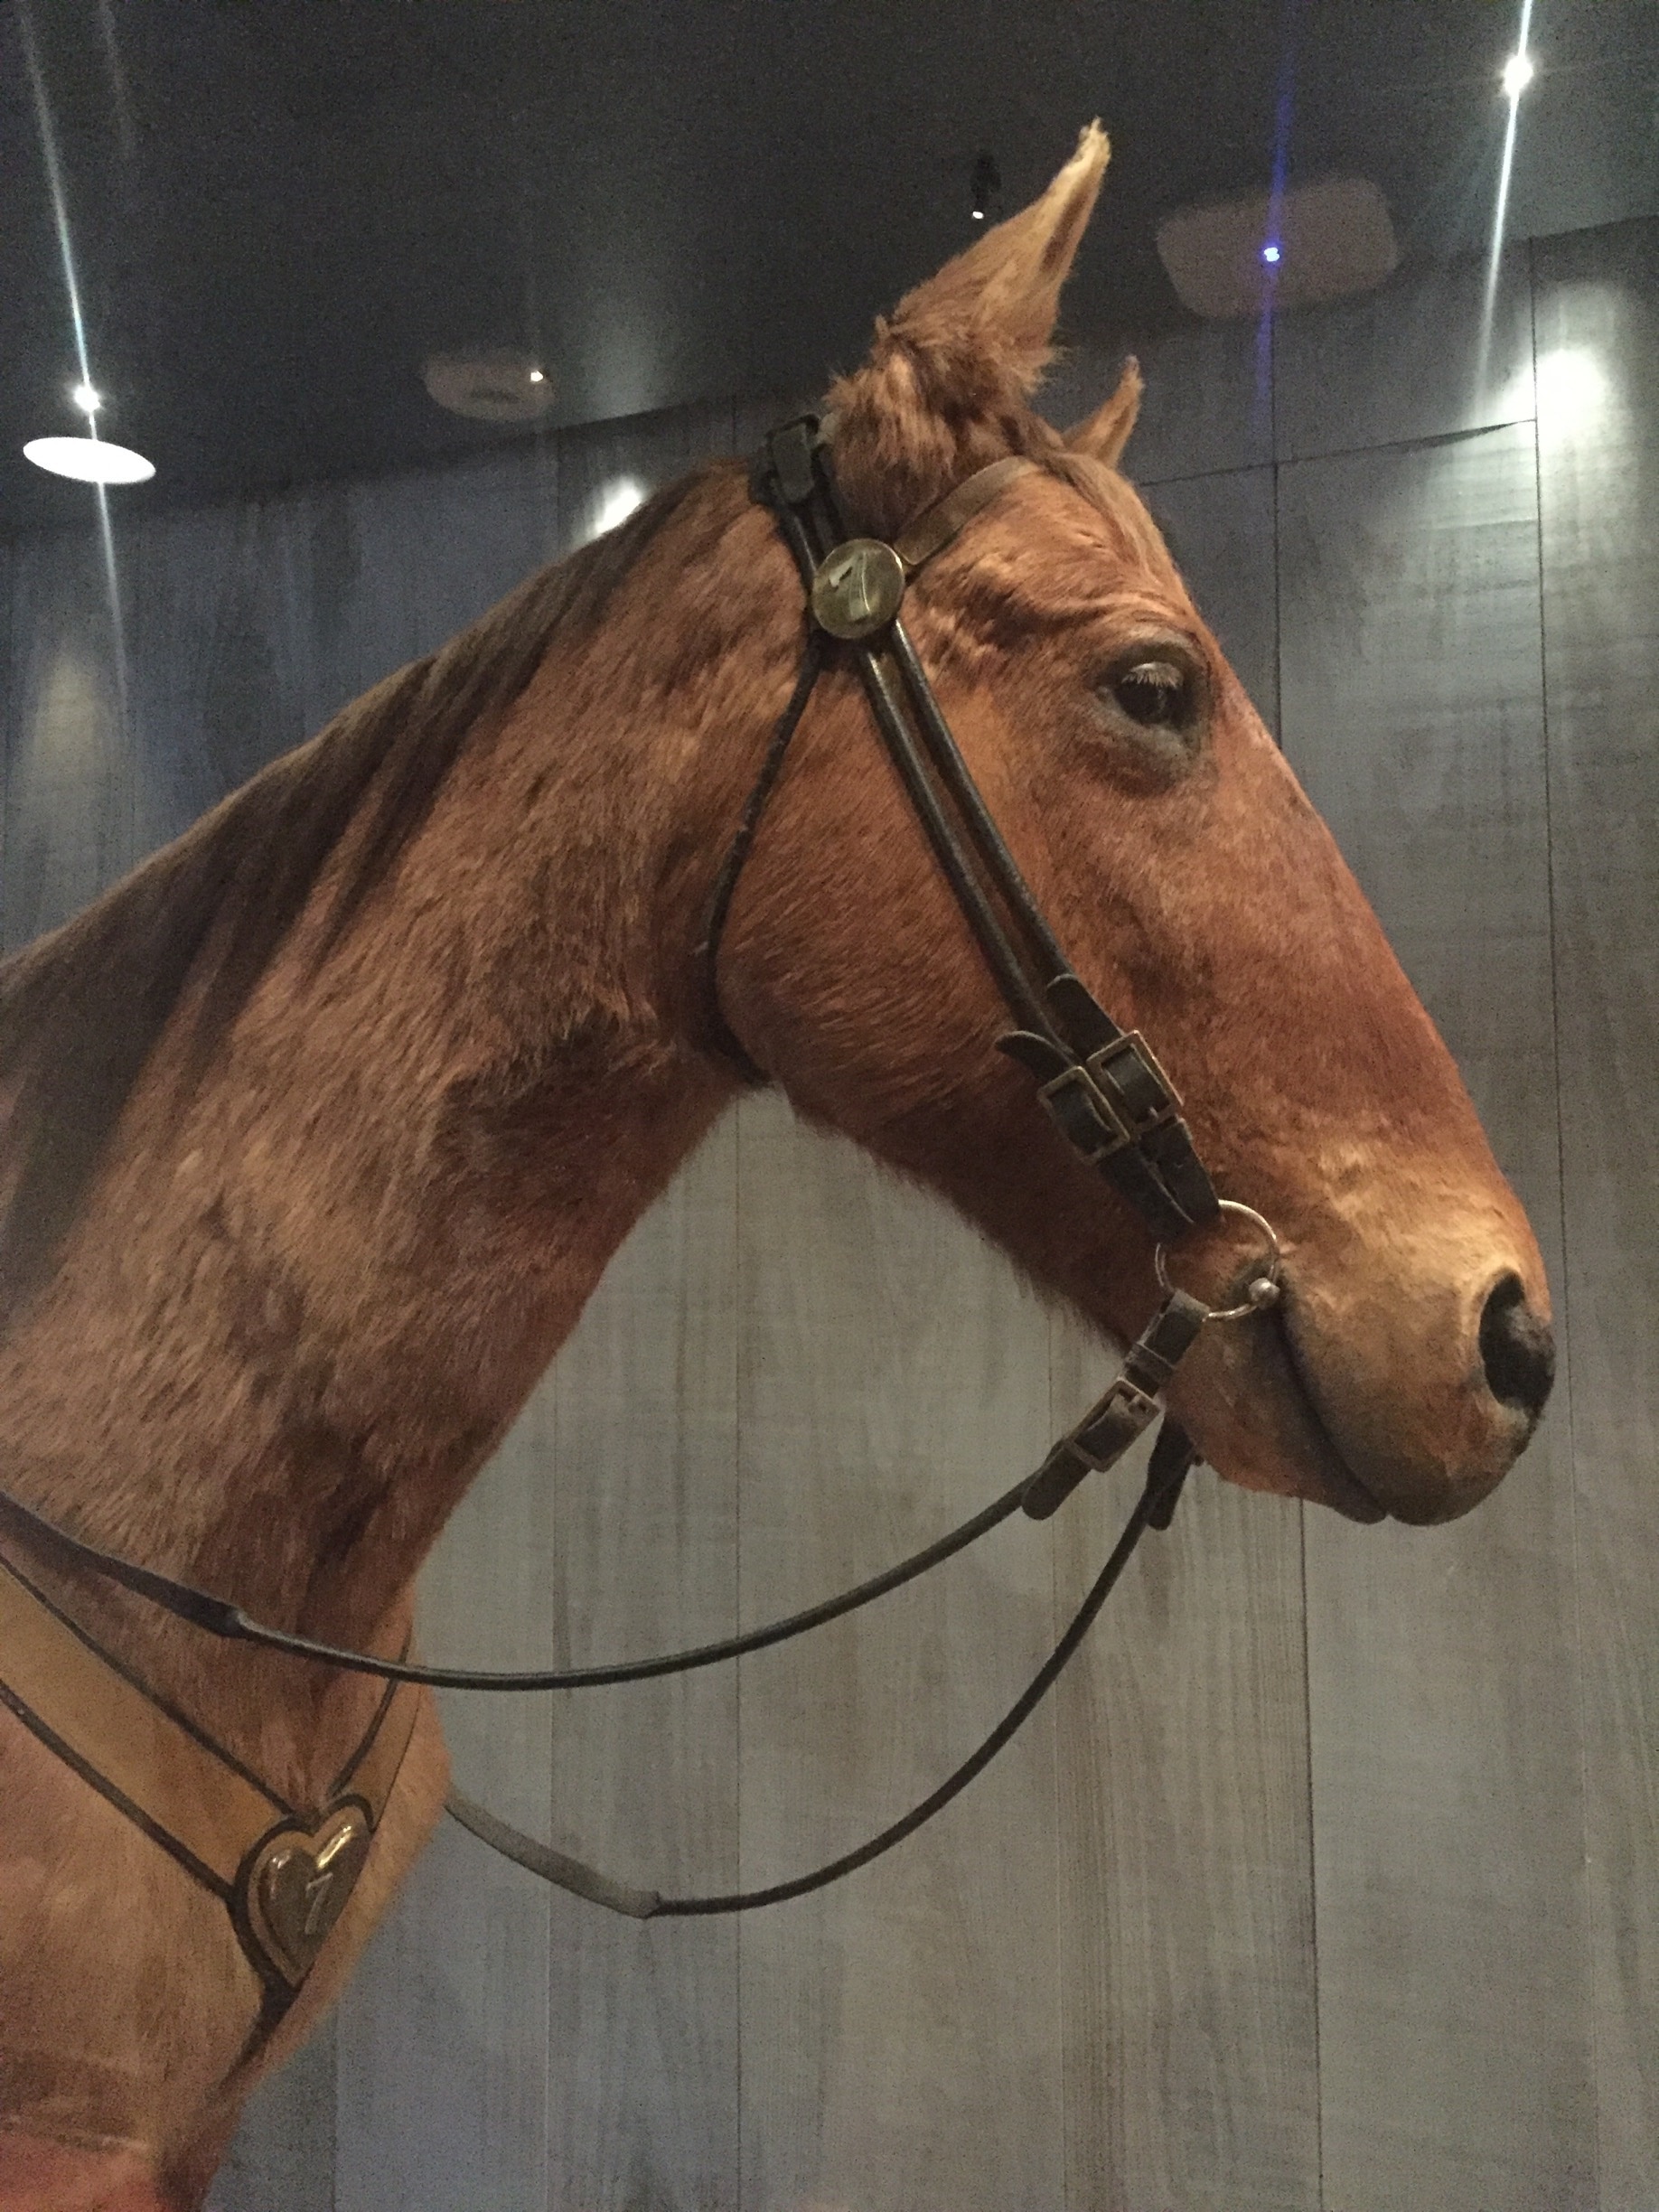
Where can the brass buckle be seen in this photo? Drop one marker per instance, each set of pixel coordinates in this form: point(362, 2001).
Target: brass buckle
point(1103, 1100)
point(1119, 1100)
point(1090, 1109)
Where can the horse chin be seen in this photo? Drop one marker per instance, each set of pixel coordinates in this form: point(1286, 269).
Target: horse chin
point(1253, 1415)
point(1258, 1410)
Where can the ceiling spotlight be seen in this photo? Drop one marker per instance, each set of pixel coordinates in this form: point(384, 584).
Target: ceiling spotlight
point(1281, 250)
point(85, 399)
point(496, 384)
point(1518, 73)
point(90, 460)
point(983, 185)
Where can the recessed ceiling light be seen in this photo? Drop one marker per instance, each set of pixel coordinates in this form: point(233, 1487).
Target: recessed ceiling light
point(1312, 242)
point(1518, 73)
point(85, 399)
point(501, 385)
point(90, 460)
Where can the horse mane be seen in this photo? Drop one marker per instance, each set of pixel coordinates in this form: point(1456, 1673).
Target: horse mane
point(81, 1009)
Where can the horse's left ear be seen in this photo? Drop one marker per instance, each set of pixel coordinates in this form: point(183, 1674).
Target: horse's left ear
point(1103, 434)
point(1000, 298)
point(944, 388)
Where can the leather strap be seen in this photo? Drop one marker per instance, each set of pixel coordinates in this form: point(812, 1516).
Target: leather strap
point(932, 532)
point(229, 1831)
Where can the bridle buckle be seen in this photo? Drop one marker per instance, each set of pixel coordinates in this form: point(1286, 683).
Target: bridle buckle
point(1112, 1099)
point(1140, 1096)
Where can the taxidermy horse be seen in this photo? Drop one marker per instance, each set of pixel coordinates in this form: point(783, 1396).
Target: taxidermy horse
point(319, 1129)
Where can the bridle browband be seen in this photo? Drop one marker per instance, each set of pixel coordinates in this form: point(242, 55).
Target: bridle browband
point(1101, 1085)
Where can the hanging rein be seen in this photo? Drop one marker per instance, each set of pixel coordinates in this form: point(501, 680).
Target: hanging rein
point(285, 1873)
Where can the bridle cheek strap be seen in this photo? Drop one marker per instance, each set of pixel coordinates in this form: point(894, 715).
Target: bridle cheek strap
point(1102, 1085)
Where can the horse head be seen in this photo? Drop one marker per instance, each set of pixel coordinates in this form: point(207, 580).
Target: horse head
point(1201, 899)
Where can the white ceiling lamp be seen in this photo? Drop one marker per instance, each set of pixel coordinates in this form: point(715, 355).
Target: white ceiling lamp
point(1319, 241)
point(1518, 73)
point(90, 460)
point(502, 386)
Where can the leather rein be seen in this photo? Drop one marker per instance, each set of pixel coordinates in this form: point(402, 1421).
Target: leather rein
point(285, 1873)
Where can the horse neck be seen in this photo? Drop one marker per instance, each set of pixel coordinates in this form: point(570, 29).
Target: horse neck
point(296, 1316)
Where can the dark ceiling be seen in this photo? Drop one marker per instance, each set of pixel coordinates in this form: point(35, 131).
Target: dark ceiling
point(279, 208)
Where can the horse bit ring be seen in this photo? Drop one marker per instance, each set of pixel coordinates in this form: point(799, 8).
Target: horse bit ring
point(1264, 1290)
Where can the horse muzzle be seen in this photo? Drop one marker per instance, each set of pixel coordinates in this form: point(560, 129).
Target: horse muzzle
point(1412, 1406)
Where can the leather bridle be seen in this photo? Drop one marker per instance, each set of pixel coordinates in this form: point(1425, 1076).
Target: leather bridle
point(1102, 1085)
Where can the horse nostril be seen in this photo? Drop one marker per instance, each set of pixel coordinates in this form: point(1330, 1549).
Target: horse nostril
point(1516, 1348)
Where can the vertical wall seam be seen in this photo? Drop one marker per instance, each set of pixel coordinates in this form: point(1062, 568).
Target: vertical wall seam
point(1565, 1318)
point(1057, 1795)
point(1301, 1510)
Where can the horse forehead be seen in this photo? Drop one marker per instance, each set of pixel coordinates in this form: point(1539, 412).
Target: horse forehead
point(1059, 559)
point(1088, 530)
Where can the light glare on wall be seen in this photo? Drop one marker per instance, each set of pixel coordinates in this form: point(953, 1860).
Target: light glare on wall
point(616, 502)
point(1571, 388)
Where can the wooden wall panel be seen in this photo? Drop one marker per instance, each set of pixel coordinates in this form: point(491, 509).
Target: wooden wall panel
point(443, 2036)
point(901, 2031)
point(1598, 456)
point(1454, 2028)
point(1186, 1921)
point(222, 651)
point(1206, 405)
point(1220, 529)
point(1421, 358)
point(642, 2053)
point(69, 804)
point(605, 469)
point(283, 2158)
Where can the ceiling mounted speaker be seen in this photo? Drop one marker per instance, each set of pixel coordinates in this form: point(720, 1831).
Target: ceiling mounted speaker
point(1321, 242)
point(499, 386)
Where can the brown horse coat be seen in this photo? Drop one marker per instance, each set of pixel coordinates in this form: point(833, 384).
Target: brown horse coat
point(319, 1131)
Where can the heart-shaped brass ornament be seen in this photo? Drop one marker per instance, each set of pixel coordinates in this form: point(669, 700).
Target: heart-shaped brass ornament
point(298, 1883)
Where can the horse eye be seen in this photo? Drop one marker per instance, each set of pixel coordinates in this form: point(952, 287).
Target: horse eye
point(1154, 693)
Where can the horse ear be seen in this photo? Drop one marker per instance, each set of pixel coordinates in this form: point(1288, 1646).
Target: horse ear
point(1103, 434)
point(944, 388)
point(1002, 294)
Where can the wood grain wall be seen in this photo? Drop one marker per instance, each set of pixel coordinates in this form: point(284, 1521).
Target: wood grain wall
point(1331, 1878)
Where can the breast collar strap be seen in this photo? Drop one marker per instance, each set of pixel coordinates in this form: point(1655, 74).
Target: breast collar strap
point(284, 1872)
point(1102, 1085)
